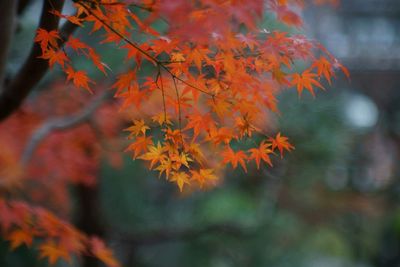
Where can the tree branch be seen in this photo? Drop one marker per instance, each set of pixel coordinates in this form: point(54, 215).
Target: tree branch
point(8, 10)
point(61, 124)
point(32, 71)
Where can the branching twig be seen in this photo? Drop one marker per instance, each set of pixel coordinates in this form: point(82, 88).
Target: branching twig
point(137, 47)
point(60, 124)
point(179, 112)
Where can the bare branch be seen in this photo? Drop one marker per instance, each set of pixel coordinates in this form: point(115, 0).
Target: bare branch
point(61, 124)
point(32, 71)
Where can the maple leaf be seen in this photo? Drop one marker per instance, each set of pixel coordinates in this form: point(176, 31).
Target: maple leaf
point(165, 166)
point(324, 67)
point(138, 127)
point(306, 80)
point(180, 159)
point(76, 44)
point(199, 122)
point(97, 61)
point(155, 154)
point(177, 57)
point(280, 142)
point(195, 151)
point(204, 176)
point(124, 81)
point(180, 178)
point(133, 96)
point(47, 37)
point(103, 253)
point(234, 158)
point(53, 252)
point(54, 56)
point(161, 119)
point(79, 78)
point(140, 145)
point(19, 237)
point(261, 153)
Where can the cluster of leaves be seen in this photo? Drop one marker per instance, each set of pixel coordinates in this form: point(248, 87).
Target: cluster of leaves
point(216, 77)
point(22, 224)
point(37, 164)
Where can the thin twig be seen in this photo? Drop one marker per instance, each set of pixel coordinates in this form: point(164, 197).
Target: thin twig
point(159, 76)
point(179, 112)
point(137, 47)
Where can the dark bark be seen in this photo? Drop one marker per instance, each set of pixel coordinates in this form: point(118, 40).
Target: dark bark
point(89, 217)
point(32, 71)
point(8, 11)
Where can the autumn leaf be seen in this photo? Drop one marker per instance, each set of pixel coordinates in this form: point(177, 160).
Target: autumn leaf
point(140, 145)
point(54, 56)
point(180, 178)
point(306, 80)
point(324, 68)
point(46, 38)
point(155, 154)
point(280, 142)
point(261, 153)
point(162, 119)
point(53, 252)
point(166, 166)
point(204, 176)
point(138, 127)
point(103, 253)
point(234, 158)
point(19, 237)
point(79, 78)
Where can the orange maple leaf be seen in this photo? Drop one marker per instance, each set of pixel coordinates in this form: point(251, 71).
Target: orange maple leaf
point(79, 78)
point(204, 176)
point(103, 253)
point(53, 252)
point(306, 80)
point(232, 157)
point(280, 142)
point(261, 153)
point(19, 237)
point(54, 56)
point(324, 67)
point(140, 145)
point(47, 37)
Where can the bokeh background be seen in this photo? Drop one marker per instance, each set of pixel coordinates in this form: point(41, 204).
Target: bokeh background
point(332, 202)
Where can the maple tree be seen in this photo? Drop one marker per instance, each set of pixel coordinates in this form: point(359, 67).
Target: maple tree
point(191, 97)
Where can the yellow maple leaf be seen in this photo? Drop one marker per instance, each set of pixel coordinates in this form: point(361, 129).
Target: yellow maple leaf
point(53, 252)
point(155, 154)
point(180, 178)
point(204, 176)
point(137, 128)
